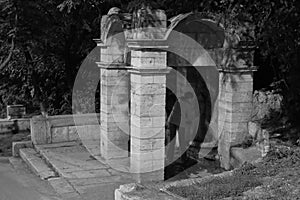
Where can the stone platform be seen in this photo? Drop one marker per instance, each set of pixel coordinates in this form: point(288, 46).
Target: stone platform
point(80, 176)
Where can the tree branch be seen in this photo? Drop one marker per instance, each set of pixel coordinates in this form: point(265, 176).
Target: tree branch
point(6, 61)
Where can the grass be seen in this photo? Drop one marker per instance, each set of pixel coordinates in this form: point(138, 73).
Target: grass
point(277, 174)
point(218, 188)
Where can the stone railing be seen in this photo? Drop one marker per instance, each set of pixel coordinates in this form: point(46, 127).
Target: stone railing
point(64, 128)
point(14, 125)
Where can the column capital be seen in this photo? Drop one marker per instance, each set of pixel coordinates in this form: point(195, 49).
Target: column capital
point(150, 71)
point(113, 66)
point(100, 43)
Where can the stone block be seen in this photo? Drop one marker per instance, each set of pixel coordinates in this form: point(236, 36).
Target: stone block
point(119, 134)
point(160, 79)
point(235, 107)
point(16, 146)
point(115, 81)
point(146, 144)
point(59, 134)
point(233, 127)
point(112, 117)
point(147, 133)
point(147, 110)
point(237, 86)
point(113, 149)
point(237, 137)
point(73, 134)
point(148, 88)
point(236, 97)
point(148, 121)
point(149, 176)
point(149, 99)
point(138, 79)
point(234, 117)
point(116, 107)
point(40, 130)
point(236, 77)
point(254, 129)
point(140, 166)
point(144, 59)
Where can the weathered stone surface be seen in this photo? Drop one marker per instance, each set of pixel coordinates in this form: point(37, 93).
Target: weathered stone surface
point(235, 117)
point(89, 132)
point(60, 134)
point(236, 97)
point(240, 156)
point(120, 134)
point(147, 133)
point(147, 144)
point(239, 107)
point(148, 88)
point(73, 134)
point(16, 146)
point(61, 186)
point(113, 149)
point(236, 77)
point(36, 164)
point(114, 113)
point(9, 125)
point(238, 86)
point(87, 173)
point(235, 110)
point(40, 130)
point(149, 176)
point(144, 59)
point(253, 129)
point(94, 181)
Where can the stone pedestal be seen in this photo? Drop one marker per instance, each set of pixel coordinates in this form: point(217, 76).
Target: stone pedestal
point(148, 99)
point(40, 130)
point(235, 104)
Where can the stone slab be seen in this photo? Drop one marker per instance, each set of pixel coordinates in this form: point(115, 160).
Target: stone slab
point(86, 173)
point(94, 181)
point(36, 164)
point(61, 186)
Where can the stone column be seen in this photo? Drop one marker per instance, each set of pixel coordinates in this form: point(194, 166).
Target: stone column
point(148, 97)
point(235, 105)
point(114, 106)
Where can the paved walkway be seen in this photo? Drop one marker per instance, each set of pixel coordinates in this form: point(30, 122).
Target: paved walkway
point(81, 176)
point(21, 184)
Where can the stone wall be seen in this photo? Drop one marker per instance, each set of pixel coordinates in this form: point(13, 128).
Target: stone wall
point(14, 125)
point(57, 129)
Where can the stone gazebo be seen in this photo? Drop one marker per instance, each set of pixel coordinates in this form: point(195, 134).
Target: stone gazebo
point(135, 63)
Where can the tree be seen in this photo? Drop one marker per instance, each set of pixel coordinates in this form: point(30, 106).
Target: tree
point(62, 36)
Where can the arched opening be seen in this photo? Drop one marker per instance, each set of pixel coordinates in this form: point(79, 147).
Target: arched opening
point(198, 65)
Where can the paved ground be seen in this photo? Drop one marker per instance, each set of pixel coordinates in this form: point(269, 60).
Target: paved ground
point(86, 177)
point(81, 176)
point(21, 184)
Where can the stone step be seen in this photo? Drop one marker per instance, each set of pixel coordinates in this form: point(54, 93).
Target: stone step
point(36, 163)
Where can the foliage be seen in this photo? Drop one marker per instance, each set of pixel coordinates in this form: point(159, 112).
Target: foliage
point(42, 43)
point(47, 53)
